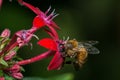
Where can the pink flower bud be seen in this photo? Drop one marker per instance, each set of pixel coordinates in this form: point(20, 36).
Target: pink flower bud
point(9, 55)
point(15, 68)
point(2, 78)
point(5, 33)
point(17, 75)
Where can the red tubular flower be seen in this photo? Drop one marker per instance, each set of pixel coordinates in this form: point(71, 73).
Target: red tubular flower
point(56, 45)
point(19, 39)
point(37, 58)
point(58, 59)
point(42, 19)
point(1, 3)
point(53, 46)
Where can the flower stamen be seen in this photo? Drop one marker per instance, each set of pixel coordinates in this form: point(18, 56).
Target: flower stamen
point(35, 36)
point(51, 14)
point(53, 17)
point(48, 10)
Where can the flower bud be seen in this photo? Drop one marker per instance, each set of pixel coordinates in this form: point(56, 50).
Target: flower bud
point(17, 75)
point(15, 68)
point(2, 78)
point(5, 33)
point(9, 55)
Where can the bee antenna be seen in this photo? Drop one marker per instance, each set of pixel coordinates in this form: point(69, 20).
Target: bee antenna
point(67, 38)
point(74, 39)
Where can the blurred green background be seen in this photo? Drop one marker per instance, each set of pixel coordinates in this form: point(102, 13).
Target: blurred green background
point(81, 19)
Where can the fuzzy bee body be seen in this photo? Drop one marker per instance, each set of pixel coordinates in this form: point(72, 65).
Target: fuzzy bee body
point(81, 56)
point(79, 50)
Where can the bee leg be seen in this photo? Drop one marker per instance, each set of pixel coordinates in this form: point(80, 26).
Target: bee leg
point(74, 55)
point(64, 54)
point(76, 66)
point(68, 62)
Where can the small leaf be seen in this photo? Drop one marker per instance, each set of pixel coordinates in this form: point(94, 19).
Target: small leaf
point(7, 77)
point(1, 73)
point(18, 58)
point(2, 62)
point(16, 48)
point(22, 69)
point(67, 76)
point(1, 38)
point(4, 42)
point(7, 40)
point(2, 46)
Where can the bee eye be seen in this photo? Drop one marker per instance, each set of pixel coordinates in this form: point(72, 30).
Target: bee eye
point(61, 47)
point(70, 46)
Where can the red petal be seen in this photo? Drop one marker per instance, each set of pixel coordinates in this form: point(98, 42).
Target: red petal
point(48, 43)
point(34, 9)
point(38, 22)
point(56, 62)
point(53, 31)
point(50, 33)
point(53, 24)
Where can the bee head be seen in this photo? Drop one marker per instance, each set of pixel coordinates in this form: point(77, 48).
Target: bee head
point(71, 44)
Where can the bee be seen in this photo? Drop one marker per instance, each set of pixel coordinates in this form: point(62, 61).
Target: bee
point(79, 51)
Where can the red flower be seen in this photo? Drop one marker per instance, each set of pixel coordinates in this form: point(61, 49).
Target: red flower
point(56, 45)
point(1, 3)
point(20, 38)
point(42, 19)
point(58, 59)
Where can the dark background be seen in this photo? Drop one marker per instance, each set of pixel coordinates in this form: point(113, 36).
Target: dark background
point(81, 19)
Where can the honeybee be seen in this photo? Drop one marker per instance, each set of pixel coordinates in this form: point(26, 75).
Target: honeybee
point(80, 50)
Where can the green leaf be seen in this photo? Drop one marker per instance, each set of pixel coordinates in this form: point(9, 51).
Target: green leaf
point(1, 73)
point(4, 63)
point(18, 58)
point(7, 77)
point(1, 38)
point(16, 48)
point(67, 76)
point(22, 69)
point(33, 78)
point(2, 46)
point(4, 42)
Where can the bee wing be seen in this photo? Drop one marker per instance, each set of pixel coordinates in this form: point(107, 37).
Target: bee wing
point(89, 43)
point(92, 50)
point(89, 46)
point(84, 44)
point(92, 42)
